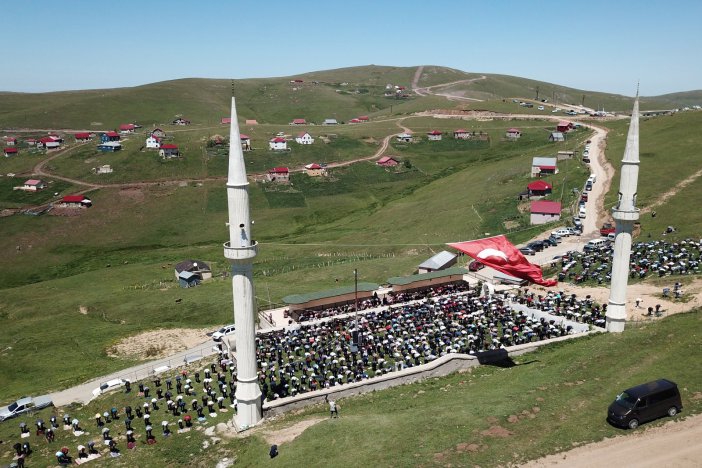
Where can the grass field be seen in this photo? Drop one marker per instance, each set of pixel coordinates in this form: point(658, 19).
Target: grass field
point(539, 403)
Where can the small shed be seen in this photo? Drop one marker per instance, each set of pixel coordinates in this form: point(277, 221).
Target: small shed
point(440, 261)
point(544, 211)
point(75, 201)
point(251, 122)
point(245, 142)
point(387, 161)
point(299, 122)
point(83, 136)
point(279, 174)
point(513, 133)
point(196, 267)
point(10, 151)
point(34, 185)
point(187, 279)
point(330, 122)
point(404, 138)
point(181, 121)
point(105, 169)
point(434, 135)
point(109, 146)
point(541, 166)
point(169, 150)
point(539, 188)
point(561, 155)
point(462, 134)
point(556, 136)
point(127, 128)
point(564, 126)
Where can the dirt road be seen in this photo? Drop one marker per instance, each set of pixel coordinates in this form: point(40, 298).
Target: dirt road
point(675, 444)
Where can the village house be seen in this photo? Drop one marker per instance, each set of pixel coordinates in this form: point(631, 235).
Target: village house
point(109, 136)
point(109, 146)
point(75, 201)
point(9, 151)
point(153, 142)
point(279, 174)
point(158, 133)
point(55, 137)
point(304, 138)
point(461, 134)
point(225, 120)
point(363, 118)
point(330, 122)
point(556, 136)
point(181, 121)
point(126, 128)
point(33, 185)
point(404, 138)
point(387, 161)
point(245, 142)
point(564, 126)
point(544, 211)
point(196, 268)
point(278, 144)
point(434, 135)
point(251, 122)
point(314, 170)
point(539, 188)
point(169, 151)
point(31, 141)
point(49, 143)
point(513, 134)
point(561, 155)
point(83, 136)
point(298, 122)
point(10, 141)
point(541, 166)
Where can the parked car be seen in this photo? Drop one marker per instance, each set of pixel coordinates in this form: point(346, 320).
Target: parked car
point(109, 385)
point(584, 196)
point(644, 403)
point(607, 228)
point(475, 265)
point(540, 107)
point(554, 240)
point(582, 212)
point(588, 186)
point(573, 232)
point(596, 244)
point(222, 332)
point(537, 246)
point(563, 232)
point(577, 222)
point(527, 251)
point(551, 241)
point(24, 405)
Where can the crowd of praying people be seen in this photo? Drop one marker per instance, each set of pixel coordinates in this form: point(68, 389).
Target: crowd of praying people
point(569, 306)
point(655, 258)
point(334, 351)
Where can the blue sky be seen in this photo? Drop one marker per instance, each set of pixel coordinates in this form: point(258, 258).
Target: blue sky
point(594, 44)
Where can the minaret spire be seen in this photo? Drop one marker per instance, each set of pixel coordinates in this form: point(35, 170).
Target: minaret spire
point(240, 251)
point(625, 215)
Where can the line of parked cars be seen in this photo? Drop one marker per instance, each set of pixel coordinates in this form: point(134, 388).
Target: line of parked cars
point(554, 239)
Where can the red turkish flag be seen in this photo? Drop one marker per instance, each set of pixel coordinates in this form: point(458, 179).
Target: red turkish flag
point(499, 253)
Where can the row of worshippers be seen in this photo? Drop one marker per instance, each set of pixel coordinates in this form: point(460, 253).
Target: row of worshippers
point(654, 258)
point(333, 352)
point(559, 303)
point(388, 299)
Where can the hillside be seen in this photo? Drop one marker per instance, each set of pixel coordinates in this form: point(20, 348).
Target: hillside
point(685, 98)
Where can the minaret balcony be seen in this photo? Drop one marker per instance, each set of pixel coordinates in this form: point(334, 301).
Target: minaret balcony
point(240, 253)
point(625, 215)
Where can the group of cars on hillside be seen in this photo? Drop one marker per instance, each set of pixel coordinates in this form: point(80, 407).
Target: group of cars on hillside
point(553, 239)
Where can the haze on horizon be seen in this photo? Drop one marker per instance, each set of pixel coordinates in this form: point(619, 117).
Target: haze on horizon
point(598, 45)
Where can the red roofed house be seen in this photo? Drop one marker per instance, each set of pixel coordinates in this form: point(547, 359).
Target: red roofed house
point(85, 136)
point(278, 144)
point(157, 132)
point(226, 120)
point(168, 151)
point(299, 122)
point(245, 142)
point(10, 151)
point(48, 143)
point(10, 141)
point(126, 128)
point(304, 138)
point(363, 118)
point(153, 142)
point(109, 136)
point(539, 188)
point(564, 126)
point(75, 201)
point(31, 141)
point(279, 174)
point(387, 161)
point(34, 185)
point(434, 135)
point(181, 121)
point(544, 211)
point(354, 121)
point(513, 133)
point(462, 134)
point(314, 170)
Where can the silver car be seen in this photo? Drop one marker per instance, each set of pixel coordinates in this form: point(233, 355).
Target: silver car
point(24, 405)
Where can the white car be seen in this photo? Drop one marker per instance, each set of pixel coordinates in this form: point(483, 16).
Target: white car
point(540, 107)
point(563, 232)
point(109, 385)
point(222, 332)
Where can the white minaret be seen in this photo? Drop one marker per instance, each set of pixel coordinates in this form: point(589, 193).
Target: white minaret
point(625, 214)
point(240, 251)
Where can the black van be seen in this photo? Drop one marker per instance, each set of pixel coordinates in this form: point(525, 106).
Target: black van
point(644, 403)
